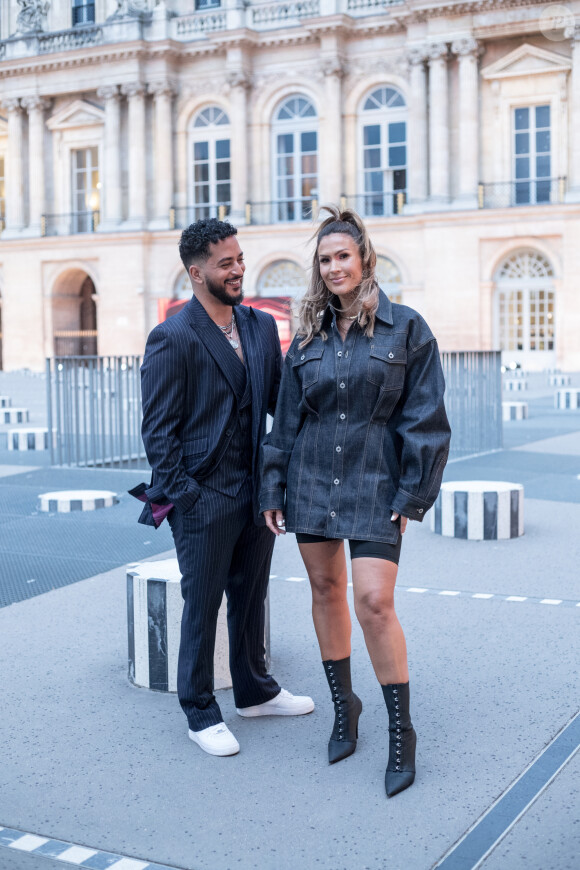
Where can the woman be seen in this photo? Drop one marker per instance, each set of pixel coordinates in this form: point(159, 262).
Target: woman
point(358, 447)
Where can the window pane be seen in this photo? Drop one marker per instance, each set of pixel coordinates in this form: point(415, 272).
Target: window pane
point(397, 155)
point(399, 179)
point(522, 117)
point(522, 143)
point(542, 116)
point(372, 158)
point(80, 159)
point(522, 194)
point(543, 166)
point(374, 182)
point(202, 193)
point(222, 148)
point(372, 135)
point(201, 151)
point(223, 192)
point(308, 141)
point(542, 141)
point(397, 132)
point(222, 171)
point(201, 172)
point(522, 167)
point(286, 143)
point(308, 185)
point(309, 164)
point(285, 165)
point(543, 191)
point(94, 156)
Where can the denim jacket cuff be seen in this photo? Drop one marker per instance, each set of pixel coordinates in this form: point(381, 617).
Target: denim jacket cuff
point(410, 505)
point(187, 499)
point(271, 500)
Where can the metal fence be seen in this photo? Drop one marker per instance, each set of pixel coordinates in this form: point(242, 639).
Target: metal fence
point(94, 407)
point(94, 410)
point(473, 400)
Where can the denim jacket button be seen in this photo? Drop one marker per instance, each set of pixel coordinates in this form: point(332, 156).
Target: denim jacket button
point(343, 416)
point(342, 385)
point(338, 449)
point(336, 481)
point(391, 356)
point(303, 356)
point(339, 353)
point(332, 513)
point(419, 510)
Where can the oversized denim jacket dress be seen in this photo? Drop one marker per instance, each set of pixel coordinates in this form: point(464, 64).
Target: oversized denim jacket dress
point(360, 429)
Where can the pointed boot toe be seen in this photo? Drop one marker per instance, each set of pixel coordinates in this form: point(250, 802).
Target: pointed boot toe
point(339, 749)
point(396, 782)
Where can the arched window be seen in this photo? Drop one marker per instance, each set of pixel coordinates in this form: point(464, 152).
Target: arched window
point(210, 173)
point(283, 278)
point(389, 279)
point(383, 152)
point(294, 159)
point(525, 314)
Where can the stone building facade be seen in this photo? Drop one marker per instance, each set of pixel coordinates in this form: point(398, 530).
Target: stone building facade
point(453, 127)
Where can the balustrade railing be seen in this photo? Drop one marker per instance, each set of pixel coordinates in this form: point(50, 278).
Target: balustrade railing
point(376, 204)
point(282, 211)
point(538, 191)
point(81, 36)
point(69, 224)
point(200, 23)
point(264, 15)
point(179, 218)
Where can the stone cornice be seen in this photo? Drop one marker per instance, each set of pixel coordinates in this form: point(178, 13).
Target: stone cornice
point(420, 10)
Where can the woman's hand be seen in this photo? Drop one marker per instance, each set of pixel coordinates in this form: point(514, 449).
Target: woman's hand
point(395, 517)
point(275, 522)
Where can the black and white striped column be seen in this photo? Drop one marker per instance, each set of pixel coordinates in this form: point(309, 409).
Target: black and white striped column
point(28, 439)
point(515, 385)
point(479, 510)
point(14, 415)
point(514, 411)
point(559, 380)
point(567, 400)
point(154, 608)
point(5, 402)
point(68, 501)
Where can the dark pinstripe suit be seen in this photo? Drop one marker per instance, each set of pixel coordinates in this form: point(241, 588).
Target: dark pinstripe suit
point(204, 415)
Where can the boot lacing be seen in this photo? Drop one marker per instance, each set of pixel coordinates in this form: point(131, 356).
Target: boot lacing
point(337, 701)
point(398, 726)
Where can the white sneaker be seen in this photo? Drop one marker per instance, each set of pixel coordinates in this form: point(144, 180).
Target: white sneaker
point(216, 740)
point(284, 704)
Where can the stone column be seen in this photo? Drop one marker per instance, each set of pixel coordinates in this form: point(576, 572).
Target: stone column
point(467, 50)
point(36, 107)
point(438, 124)
point(163, 153)
point(111, 207)
point(417, 161)
point(239, 84)
point(13, 169)
point(330, 155)
point(573, 194)
point(135, 92)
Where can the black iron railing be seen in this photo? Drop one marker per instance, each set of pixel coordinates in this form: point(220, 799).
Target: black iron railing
point(506, 194)
point(69, 224)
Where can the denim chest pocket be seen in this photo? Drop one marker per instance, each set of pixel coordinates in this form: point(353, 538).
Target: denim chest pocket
point(387, 366)
point(307, 365)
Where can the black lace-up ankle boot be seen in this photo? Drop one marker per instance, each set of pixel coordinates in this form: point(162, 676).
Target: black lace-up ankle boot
point(347, 709)
point(400, 773)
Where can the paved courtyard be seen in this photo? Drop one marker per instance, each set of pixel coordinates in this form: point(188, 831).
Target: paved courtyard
point(99, 774)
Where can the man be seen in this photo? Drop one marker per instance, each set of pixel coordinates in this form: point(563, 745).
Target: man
point(209, 377)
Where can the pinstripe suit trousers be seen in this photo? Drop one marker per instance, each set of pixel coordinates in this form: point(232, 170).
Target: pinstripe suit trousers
point(219, 548)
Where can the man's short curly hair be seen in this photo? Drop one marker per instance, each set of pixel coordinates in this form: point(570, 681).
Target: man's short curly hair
point(196, 239)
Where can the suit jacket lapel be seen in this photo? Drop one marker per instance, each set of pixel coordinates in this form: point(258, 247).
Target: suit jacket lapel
point(219, 349)
point(254, 356)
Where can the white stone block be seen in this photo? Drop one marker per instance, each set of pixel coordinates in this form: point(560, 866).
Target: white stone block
point(515, 385)
point(514, 411)
point(567, 400)
point(14, 415)
point(29, 439)
point(559, 380)
point(69, 501)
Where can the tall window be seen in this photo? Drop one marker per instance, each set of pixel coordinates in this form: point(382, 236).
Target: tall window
point(526, 304)
point(383, 144)
point(207, 4)
point(532, 154)
point(295, 159)
point(389, 279)
point(211, 175)
point(86, 190)
point(83, 12)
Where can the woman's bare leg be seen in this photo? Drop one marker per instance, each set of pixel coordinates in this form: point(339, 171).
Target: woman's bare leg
point(326, 566)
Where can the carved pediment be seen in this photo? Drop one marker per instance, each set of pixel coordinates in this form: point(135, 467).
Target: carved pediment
point(527, 60)
point(76, 114)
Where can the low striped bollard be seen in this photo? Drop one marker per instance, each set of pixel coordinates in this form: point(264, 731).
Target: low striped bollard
point(514, 411)
point(479, 510)
point(28, 439)
point(559, 380)
point(515, 385)
point(14, 415)
point(567, 400)
point(5, 401)
point(68, 501)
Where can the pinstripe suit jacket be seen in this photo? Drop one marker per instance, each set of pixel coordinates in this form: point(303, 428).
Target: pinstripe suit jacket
point(191, 384)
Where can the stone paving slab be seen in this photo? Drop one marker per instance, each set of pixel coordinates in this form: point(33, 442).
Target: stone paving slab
point(568, 445)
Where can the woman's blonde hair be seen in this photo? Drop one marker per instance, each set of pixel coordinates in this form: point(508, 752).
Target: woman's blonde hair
point(314, 302)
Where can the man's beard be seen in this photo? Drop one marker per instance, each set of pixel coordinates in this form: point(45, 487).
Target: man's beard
point(219, 292)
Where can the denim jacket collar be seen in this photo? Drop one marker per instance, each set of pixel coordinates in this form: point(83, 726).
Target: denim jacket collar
point(384, 311)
